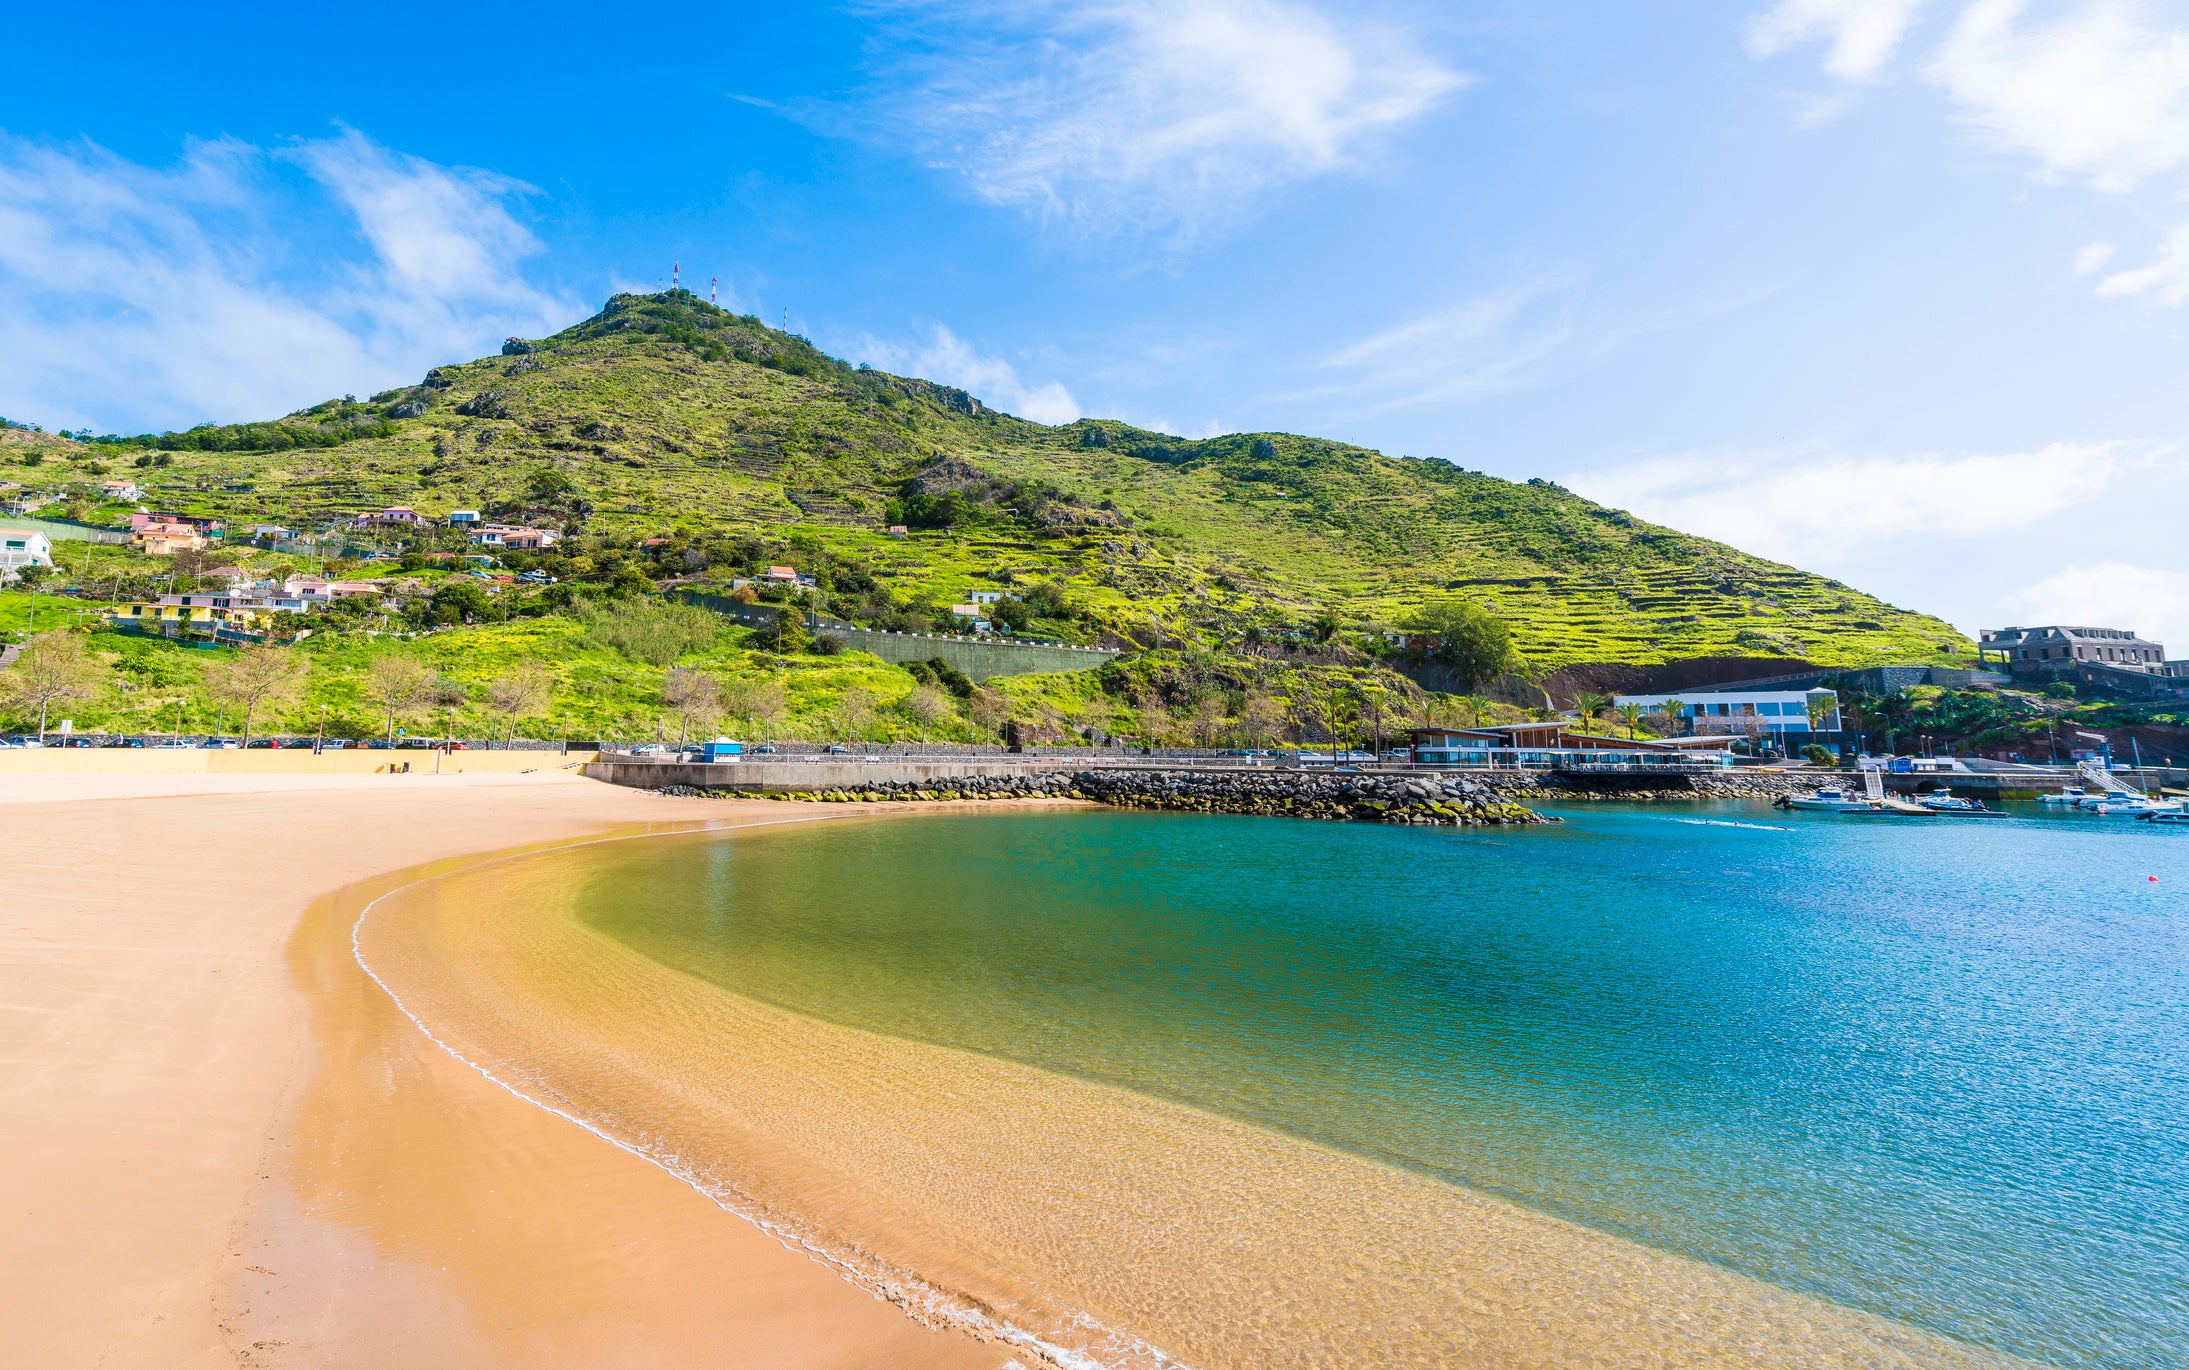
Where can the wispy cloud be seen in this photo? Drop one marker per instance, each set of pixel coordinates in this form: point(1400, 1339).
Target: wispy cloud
point(1809, 504)
point(134, 296)
point(1162, 117)
point(945, 357)
point(1860, 36)
point(1463, 352)
point(2114, 594)
point(2101, 92)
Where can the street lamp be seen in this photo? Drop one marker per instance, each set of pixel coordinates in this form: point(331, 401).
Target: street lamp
point(319, 742)
point(566, 734)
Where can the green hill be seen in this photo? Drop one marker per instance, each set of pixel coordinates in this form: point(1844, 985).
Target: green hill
point(663, 416)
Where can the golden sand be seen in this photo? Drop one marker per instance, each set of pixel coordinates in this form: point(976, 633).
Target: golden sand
point(222, 1146)
point(1076, 1220)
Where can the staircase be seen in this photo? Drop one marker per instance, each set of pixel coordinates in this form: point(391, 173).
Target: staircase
point(2096, 773)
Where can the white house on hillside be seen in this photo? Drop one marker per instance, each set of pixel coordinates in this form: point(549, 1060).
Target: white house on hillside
point(20, 547)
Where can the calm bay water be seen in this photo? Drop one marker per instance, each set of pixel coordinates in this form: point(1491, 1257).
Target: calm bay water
point(1937, 1070)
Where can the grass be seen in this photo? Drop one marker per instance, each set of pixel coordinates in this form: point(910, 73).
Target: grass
point(665, 414)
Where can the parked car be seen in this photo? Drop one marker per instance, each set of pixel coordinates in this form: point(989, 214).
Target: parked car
point(452, 746)
point(225, 744)
point(270, 743)
point(25, 740)
point(833, 749)
point(650, 749)
point(766, 747)
point(381, 744)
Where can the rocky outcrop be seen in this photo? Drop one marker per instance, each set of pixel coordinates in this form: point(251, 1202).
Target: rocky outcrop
point(1428, 800)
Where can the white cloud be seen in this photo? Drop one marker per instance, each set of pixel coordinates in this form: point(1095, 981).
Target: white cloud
point(1482, 346)
point(1862, 34)
point(2165, 279)
point(2101, 92)
point(946, 358)
point(1163, 115)
point(2093, 257)
point(134, 297)
point(1810, 505)
point(2113, 594)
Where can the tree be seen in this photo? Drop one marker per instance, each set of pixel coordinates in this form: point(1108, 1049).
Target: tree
point(855, 713)
point(1261, 718)
point(693, 694)
point(397, 684)
point(1473, 643)
point(1374, 713)
point(759, 704)
point(522, 691)
point(1631, 714)
point(1590, 706)
point(32, 576)
point(1673, 708)
point(1328, 704)
point(1209, 719)
point(52, 667)
point(927, 706)
point(265, 674)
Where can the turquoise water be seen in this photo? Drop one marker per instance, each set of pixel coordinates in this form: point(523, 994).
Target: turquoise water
point(1936, 1069)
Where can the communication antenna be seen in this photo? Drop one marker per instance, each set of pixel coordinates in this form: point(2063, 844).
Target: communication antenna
point(710, 289)
point(676, 274)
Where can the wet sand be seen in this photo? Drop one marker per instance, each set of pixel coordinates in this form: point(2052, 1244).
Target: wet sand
point(224, 1148)
point(1138, 1230)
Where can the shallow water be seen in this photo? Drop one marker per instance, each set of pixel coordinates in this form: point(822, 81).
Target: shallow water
point(1936, 1070)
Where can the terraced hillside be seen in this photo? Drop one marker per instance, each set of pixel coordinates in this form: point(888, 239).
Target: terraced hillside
point(662, 415)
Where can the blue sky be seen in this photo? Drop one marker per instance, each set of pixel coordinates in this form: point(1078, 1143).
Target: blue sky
point(1893, 289)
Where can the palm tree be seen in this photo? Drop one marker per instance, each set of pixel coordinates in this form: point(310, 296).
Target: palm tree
point(1673, 709)
point(1590, 706)
point(1632, 713)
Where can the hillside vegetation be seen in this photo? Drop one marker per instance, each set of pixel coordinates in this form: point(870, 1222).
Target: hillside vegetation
point(663, 417)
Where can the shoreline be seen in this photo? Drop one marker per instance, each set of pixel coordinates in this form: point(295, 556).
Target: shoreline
point(162, 1046)
point(1061, 1197)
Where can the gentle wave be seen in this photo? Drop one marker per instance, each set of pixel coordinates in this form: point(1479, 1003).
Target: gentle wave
point(1728, 823)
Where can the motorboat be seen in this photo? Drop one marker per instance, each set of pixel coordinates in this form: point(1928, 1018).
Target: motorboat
point(1826, 800)
point(2173, 817)
point(2135, 806)
point(1960, 808)
point(2069, 795)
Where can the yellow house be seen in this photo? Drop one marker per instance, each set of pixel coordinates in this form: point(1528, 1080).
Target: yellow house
point(174, 616)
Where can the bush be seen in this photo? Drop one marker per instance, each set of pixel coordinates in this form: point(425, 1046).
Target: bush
point(827, 644)
point(1818, 756)
point(647, 630)
point(2060, 689)
point(784, 633)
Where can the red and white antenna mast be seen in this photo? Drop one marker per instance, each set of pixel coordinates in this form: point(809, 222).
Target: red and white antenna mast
point(710, 288)
point(676, 274)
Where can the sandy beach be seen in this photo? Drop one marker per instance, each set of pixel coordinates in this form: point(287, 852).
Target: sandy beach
point(224, 1148)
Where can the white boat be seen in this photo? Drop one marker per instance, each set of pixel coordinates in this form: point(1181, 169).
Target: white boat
point(1826, 801)
point(2135, 807)
point(1964, 808)
point(2170, 817)
point(2072, 794)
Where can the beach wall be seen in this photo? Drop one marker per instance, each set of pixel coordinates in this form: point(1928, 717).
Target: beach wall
point(59, 761)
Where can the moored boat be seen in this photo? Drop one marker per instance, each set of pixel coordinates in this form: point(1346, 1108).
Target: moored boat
point(2071, 794)
point(1959, 808)
point(1826, 800)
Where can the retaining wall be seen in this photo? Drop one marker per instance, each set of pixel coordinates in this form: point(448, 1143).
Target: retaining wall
point(981, 658)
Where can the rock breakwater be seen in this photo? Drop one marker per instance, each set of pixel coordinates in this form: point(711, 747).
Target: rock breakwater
point(1421, 799)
